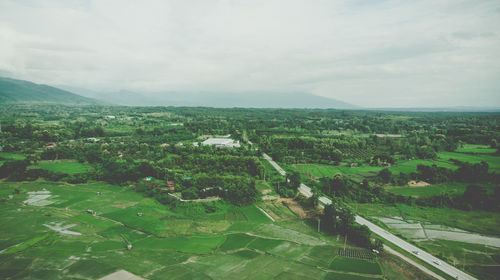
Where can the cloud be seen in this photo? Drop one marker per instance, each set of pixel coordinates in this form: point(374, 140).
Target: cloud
point(371, 53)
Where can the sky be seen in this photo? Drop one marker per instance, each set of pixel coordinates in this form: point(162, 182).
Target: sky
point(372, 53)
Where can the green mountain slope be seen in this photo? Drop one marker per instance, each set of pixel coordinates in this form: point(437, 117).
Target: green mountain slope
point(19, 91)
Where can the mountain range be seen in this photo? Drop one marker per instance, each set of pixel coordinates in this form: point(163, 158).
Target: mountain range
point(20, 91)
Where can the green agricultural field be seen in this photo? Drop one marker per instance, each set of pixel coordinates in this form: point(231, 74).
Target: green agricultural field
point(11, 156)
point(411, 165)
point(476, 149)
point(493, 161)
point(66, 167)
point(437, 189)
point(323, 170)
point(233, 242)
point(355, 265)
point(277, 210)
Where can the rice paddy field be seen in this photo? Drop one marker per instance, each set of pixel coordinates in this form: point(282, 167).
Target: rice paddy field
point(469, 153)
point(431, 190)
point(66, 167)
point(62, 231)
point(476, 149)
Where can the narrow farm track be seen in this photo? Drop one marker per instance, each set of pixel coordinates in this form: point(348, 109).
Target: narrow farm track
point(422, 255)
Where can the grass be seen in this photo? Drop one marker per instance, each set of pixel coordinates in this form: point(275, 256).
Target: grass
point(192, 244)
point(253, 214)
point(264, 245)
point(462, 253)
point(342, 276)
point(437, 189)
point(66, 167)
point(236, 241)
point(277, 210)
point(476, 149)
point(323, 170)
point(11, 156)
point(411, 165)
point(211, 245)
point(474, 221)
point(355, 265)
point(493, 161)
point(24, 245)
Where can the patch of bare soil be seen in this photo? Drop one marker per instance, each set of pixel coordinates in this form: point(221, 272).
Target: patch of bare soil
point(126, 204)
point(294, 206)
point(418, 184)
point(266, 191)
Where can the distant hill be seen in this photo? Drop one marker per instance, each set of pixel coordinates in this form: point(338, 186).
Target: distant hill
point(218, 99)
point(19, 91)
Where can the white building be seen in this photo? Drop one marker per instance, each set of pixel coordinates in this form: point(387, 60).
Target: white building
point(222, 143)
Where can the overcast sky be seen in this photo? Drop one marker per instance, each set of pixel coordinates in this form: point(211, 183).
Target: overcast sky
point(371, 53)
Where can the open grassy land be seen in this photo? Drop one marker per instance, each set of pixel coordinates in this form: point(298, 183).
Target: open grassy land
point(493, 161)
point(480, 260)
point(4, 156)
point(13, 156)
point(474, 221)
point(323, 170)
point(47, 233)
point(476, 149)
point(66, 167)
point(436, 189)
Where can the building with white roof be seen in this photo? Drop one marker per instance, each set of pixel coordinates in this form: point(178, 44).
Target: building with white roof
point(222, 142)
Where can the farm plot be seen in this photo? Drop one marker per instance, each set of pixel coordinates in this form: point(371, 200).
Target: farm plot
point(66, 167)
point(437, 189)
point(166, 243)
point(476, 149)
point(11, 156)
point(356, 253)
point(342, 276)
point(277, 210)
point(355, 265)
point(493, 161)
point(236, 241)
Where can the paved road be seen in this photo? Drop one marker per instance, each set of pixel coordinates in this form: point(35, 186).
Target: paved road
point(422, 255)
point(410, 261)
point(274, 164)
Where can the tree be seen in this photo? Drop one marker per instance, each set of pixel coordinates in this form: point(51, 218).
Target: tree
point(190, 193)
point(14, 170)
point(346, 220)
point(294, 180)
point(385, 175)
point(329, 219)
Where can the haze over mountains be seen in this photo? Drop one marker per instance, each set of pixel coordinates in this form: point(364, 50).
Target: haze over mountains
point(20, 91)
point(217, 99)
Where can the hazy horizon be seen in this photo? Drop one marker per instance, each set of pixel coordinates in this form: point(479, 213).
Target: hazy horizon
point(374, 54)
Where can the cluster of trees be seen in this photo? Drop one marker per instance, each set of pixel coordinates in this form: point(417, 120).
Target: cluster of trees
point(341, 221)
point(17, 170)
point(467, 172)
point(239, 190)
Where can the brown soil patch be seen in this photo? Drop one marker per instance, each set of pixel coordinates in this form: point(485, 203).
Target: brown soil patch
point(418, 184)
point(125, 205)
point(294, 206)
point(266, 191)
